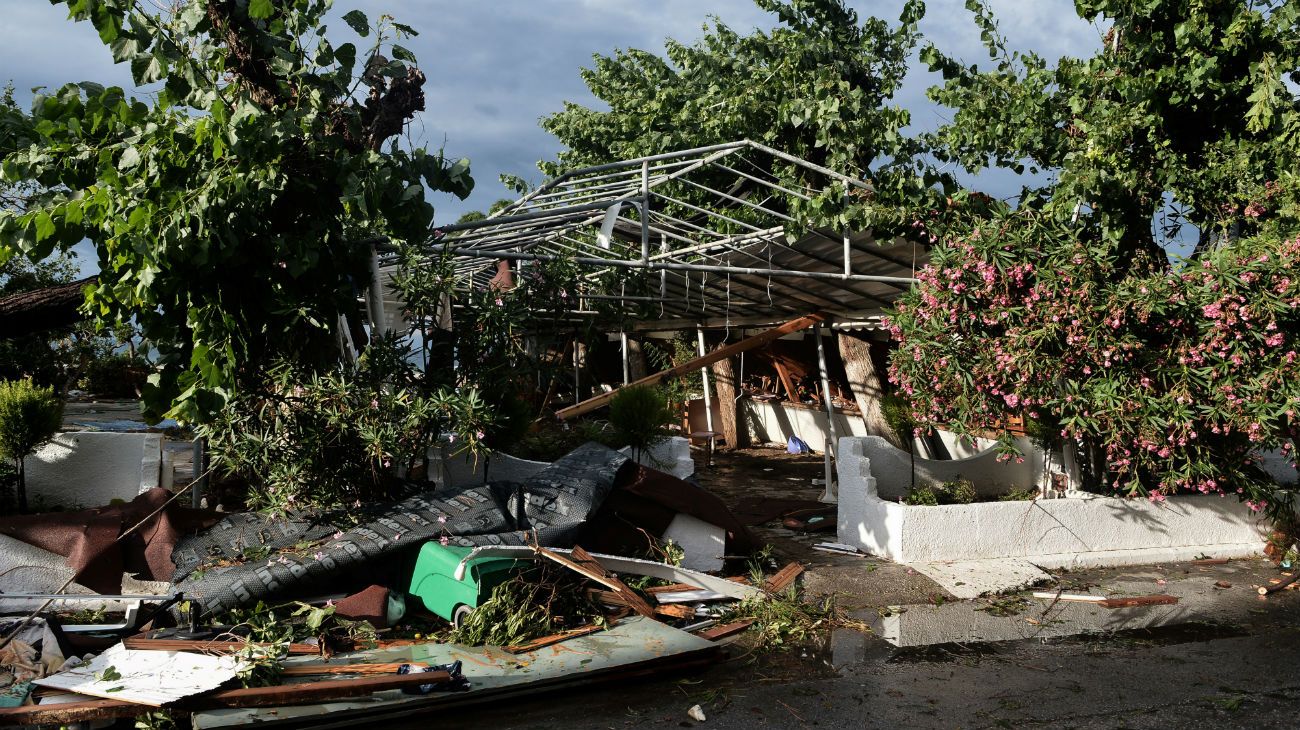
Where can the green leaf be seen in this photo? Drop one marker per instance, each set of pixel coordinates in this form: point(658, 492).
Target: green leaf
point(358, 21)
point(130, 158)
point(403, 54)
point(44, 226)
point(260, 9)
point(145, 68)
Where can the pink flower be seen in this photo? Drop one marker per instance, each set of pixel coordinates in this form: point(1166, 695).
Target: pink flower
point(442, 519)
point(444, 540)
point(338, 535)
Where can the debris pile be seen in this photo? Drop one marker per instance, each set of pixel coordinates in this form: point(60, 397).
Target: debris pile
point(436, 599)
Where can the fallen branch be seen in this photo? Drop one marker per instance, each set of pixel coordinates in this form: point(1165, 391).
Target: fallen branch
point(1280, 586)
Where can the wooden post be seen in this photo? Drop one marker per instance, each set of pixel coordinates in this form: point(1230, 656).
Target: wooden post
point(866, 386)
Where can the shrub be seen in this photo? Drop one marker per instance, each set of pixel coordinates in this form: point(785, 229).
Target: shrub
point(115, 376)
point(29, 416)
point(958, 491)
point(639, 416)
point(922, 495)
point(327, 440)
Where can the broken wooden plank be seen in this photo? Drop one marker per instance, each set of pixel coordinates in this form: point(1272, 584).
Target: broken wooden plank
point(273, 696)
point(697, 363)
point(787, 383)
point(583, 563)
point(311, 670)
point(672, 588)
point(783, 578)
point(721, 632)
point(208, 646)
point(1159, 599)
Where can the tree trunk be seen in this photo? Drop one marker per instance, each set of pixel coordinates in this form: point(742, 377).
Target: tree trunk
point(866, 386)
point(726, 387)
point(636, 363)
point(41, 310)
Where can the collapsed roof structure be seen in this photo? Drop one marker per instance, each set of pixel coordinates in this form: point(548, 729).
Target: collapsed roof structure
point(702, 237)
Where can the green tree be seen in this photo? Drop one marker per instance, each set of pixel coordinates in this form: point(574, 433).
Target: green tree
point(230, 213)
point(819, 86)
point(1169, 374)
point(29, 416)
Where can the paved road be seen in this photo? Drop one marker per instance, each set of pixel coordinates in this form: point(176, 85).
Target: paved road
point(1239, 669)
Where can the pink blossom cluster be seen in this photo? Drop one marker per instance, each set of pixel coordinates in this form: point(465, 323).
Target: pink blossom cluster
point(1178, 376)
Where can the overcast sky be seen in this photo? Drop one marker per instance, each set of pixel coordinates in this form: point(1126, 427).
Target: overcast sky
point(496, 67)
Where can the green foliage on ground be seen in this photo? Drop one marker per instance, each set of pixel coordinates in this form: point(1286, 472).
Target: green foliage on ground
point(539, 602)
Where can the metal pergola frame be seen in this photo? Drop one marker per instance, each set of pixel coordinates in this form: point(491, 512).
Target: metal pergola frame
point(711, 224)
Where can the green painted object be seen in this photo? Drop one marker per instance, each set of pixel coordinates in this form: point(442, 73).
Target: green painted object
point(434, 579)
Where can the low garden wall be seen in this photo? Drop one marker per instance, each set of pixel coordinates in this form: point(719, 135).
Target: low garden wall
point(1081, 529)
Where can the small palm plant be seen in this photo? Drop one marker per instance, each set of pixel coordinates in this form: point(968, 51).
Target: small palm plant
point(639, 416)
point(29, 417)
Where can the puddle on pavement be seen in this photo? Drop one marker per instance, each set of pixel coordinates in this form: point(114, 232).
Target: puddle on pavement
point(960, 632)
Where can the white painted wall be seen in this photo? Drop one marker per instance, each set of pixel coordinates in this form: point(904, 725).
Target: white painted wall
point(1081, 530)
point(774, 422)
point(92, 468)
point(892, 468)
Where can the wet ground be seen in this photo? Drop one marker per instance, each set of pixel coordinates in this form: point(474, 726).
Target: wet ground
point(1220, 657)
point(1232, 661)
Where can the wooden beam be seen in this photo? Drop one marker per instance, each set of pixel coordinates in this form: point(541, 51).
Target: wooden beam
point(787, 382)
point(274, 696)
point(721, 353)
point(580, 561)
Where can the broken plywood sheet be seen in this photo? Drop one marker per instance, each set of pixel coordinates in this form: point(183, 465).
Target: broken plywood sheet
point(152, 678)
point(491, 671)
point(975, 578)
